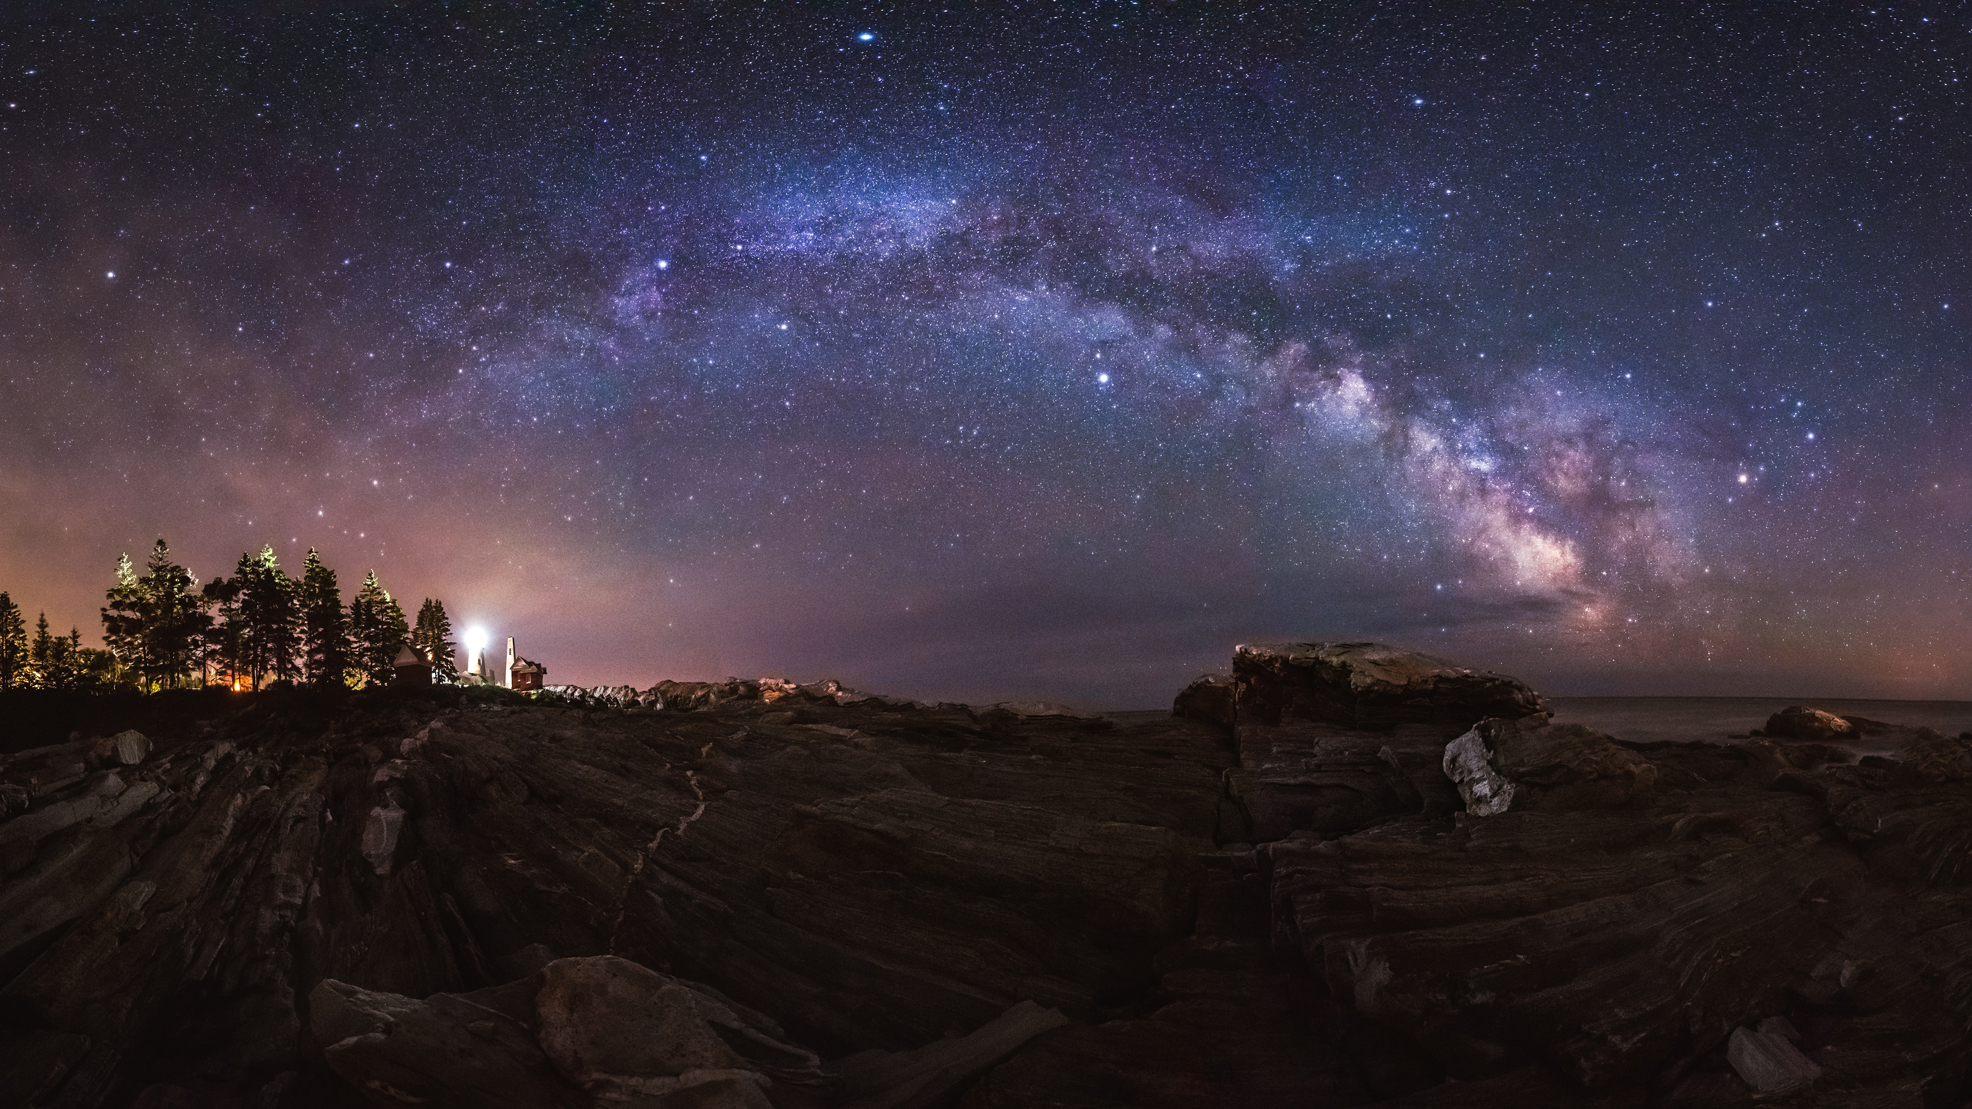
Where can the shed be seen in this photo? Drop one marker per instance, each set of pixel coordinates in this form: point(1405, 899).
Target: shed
point(413, 669)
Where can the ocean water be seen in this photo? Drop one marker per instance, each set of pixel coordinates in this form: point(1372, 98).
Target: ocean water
point(1728, 719)
point(1708, 719)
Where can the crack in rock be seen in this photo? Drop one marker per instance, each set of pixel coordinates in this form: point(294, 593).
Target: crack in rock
point(643, 857)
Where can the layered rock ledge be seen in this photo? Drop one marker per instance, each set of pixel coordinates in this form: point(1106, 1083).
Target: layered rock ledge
point(1346, 875)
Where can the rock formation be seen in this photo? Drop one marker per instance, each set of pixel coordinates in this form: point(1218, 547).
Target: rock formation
point(1370, 687)
point(1347, 875)
point(1801, 722)
point(1530, 763)
point(1209, 700)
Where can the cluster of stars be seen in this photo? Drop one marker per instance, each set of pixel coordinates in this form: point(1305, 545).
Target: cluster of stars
point(1298, 328)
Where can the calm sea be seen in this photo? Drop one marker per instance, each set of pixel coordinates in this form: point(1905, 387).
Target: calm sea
point(1719, 719)
point(1709, 719)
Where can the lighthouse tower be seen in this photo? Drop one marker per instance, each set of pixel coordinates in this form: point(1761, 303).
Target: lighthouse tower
point(507, 672)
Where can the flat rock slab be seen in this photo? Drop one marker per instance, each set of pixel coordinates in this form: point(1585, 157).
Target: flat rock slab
point(1369, 686)
point(927, 1077)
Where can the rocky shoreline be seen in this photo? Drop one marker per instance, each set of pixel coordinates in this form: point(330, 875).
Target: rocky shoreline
point(1346, 874)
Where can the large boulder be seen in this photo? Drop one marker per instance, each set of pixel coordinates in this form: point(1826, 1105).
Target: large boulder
point(126, 748)
point(599, 1028)
point(1533, 763)
point(1801, 722)
point(1369, 686)
point(622, 1031)
point(456, 1049)
point(1768, 1061)
point(1208, 700)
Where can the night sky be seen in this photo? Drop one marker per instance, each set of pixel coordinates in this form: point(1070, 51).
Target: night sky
point(1018, 352)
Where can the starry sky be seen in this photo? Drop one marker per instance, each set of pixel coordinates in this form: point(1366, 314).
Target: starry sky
point(1018, 350)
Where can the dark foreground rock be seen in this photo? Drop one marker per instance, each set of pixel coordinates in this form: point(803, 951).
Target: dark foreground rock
point(768, 894)
point(1209, 700)
point(1532, 763)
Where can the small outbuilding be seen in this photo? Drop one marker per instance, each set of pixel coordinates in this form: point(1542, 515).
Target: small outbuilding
point(413, 668)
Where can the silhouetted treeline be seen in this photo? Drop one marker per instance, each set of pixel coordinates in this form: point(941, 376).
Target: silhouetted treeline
point(164, 630)
point(46, 660)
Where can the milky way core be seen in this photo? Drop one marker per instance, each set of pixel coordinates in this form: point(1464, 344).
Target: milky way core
point(1015, 354)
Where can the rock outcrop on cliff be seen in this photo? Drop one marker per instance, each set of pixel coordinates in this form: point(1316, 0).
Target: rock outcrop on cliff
point(1532, 763)
point(1345, 875)
point(1369, 687)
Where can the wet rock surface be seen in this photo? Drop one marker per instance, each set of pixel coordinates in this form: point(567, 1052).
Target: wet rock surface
point(757, 893)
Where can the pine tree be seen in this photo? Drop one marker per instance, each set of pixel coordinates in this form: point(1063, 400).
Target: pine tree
point(156, 626)
point(41, 654)
point(65, 666)
point(378, 630)
point(270, 604)
point(433, 637)
point(54, 657)
point(123, 617)
point(261, 606)
point(176, 621)
point(14, 661)
point(226, 645)
point(325, 627)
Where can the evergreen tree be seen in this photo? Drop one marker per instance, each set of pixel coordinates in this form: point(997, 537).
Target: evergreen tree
point(123, 617)
point(325, 627)
point(156, 626)
point(14, 659)
point(226, 645)
point(54, 657)
point(176, 620)
point(41, 654)
point(65, 667)
point(433, 638)
point(266, 610)
point(378, 630)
